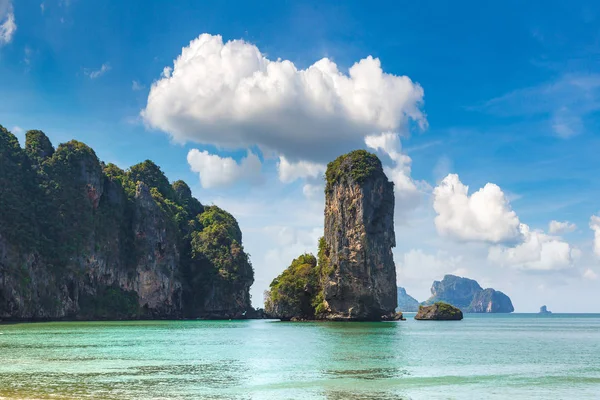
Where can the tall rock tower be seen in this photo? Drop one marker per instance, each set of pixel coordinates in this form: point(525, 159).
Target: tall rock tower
point(359, 280)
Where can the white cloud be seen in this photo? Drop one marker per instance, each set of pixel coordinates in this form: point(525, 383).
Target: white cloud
point(590, 274)
point(485, 215)
point(99, 72)
point(557, 228)
point(389, 143)
point(290, 171)
point(216, 171)
point(537, 252)
point(8, 26)
point(43, 7)
point(135, 86)
point(407, 191)
point(566, 123)
point(312, 191)
point(230, 94)
point(419, 265)
point(595, 226)
point(564, 103)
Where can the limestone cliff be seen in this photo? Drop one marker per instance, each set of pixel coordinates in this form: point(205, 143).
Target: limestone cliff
point(354, 277)
point(467, 295)
point(406, 302)
point(83, 240)
point(360, 282)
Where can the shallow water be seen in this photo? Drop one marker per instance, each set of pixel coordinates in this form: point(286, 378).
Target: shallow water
point(519, 356)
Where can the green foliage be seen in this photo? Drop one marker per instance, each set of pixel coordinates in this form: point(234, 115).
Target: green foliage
point(324, 267)
point(109, 302)
point(37, 146)
point(71, 181)
point(183, 195)
point(447, 309)
point(296, 290)
point(357, 165)
point(18, 193)
point(152, 175)
point(121, 178)
point(218, 244)
point(64, 207)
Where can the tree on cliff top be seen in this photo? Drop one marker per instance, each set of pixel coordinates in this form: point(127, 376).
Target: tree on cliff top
point(357, 165)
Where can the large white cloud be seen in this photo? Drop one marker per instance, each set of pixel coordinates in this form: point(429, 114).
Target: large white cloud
point(556, 227)
point(595, 226)
point(290, 171)
point(8, 26)
point(216, 171)
point(537, 252)
point(485, 215)
point(407, 191)
point(230, 94)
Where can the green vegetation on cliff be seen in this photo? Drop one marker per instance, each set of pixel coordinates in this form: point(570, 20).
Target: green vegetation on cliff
point(79, 237)
point(439, 311)
point(358, 165)
point(297, 292)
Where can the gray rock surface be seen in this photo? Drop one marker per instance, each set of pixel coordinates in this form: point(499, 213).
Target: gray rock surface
point(467, 295)
point(406, 302)
point(359, 235)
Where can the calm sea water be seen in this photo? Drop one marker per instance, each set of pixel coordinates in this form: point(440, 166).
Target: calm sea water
point(482, 357)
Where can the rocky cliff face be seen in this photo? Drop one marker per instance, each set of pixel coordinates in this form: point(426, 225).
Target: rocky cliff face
point(490, 301)
point(360, 281)
point(406, 302)
point(467, 295)
point(84, 240)
point(353, 277)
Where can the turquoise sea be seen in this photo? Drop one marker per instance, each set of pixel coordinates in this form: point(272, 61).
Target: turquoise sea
point(518, 356)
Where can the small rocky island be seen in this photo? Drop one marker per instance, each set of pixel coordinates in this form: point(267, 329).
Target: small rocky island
point(467, 295)
point(353, 277)
point(439, 311)
point(406, 302)
point(544, 310)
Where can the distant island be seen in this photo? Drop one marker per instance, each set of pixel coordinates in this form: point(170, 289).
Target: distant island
point(81, 239)
point(406, 303)
point(467, 295)
point(544, 310)
point(353, 277)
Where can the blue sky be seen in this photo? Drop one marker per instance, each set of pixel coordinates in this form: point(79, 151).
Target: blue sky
point(505, 93)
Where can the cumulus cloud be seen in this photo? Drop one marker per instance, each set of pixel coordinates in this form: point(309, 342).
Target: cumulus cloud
point(537, 252)
point(8, 26)
point(419, 265)
point(230, 94)
point(557, 228)
point(290, 171)
point(313, 192)
point(93, 74)
point(484, 216)
point(216, 171)
point(590, 274)
point(407, 191)
point(595, 226)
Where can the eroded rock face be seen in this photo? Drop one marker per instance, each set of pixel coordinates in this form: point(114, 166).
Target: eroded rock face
point(490, 301)
point(83, 240)
point(360, 281)
point(467, 295)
